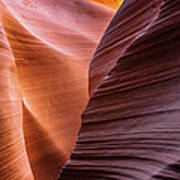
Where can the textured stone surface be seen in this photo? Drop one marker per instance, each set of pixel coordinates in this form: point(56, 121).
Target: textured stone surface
point(44, 59)
point(130, 128)
point(131, 124)
point(12, 146)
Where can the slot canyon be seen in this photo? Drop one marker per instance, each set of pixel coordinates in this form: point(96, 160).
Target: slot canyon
point(89, 90)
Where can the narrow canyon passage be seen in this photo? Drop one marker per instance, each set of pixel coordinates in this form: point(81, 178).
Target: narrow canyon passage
point(89, 90)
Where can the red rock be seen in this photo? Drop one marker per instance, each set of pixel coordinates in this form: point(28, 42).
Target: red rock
point(131, 124)
point(51, 44)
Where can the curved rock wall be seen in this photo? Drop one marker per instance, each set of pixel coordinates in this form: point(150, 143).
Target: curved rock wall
point(45, 51)
point(50, 57)
point(131, 124)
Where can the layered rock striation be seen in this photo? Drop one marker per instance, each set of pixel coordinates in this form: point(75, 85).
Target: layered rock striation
point(130, 128)
point(45, 49)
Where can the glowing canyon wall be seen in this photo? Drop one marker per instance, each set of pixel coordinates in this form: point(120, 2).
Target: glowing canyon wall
point(84, 81)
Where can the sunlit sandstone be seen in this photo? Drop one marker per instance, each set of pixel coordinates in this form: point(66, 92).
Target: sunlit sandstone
point(110, 3)
point(46, 48)
point(60, 61)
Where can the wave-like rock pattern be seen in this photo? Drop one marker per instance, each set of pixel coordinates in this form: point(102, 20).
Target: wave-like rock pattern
point(45, 49)
point(12, 145)
point(131, 125)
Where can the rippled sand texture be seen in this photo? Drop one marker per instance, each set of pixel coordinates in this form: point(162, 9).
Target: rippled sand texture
point(45, 49)
point(131, 125)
